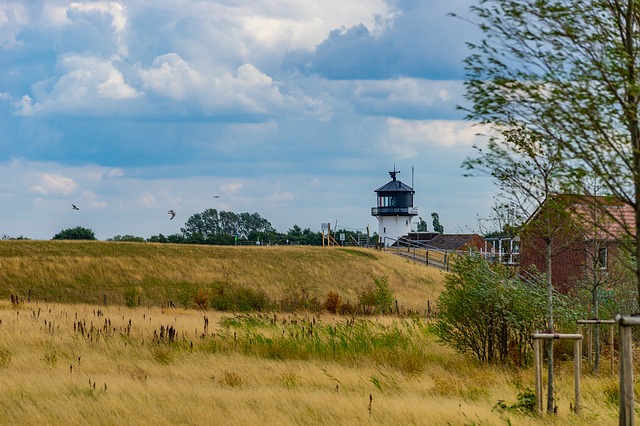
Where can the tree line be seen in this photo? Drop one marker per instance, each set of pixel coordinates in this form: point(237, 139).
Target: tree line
point(220, 228)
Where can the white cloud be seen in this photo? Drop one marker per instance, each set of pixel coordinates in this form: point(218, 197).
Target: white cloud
point(53, 184)
point(88, 84)
point(147, 200)
point(115, 173)
point(279, 196)
point(114, 9)
point(13, 16)
point(231, 188)
point(249, 90)
point(405, 138)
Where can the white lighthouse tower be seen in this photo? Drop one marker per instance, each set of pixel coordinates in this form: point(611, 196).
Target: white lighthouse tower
point(394, 209)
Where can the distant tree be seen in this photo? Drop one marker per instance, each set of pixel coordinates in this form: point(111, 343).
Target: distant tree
point(8, 237)
point(437, 227)
point(173, 238)
point(126, 238)
point(213, 227)
point(422, 225)
point(77, 233)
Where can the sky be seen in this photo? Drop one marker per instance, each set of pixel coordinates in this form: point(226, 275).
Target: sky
point(296, 110)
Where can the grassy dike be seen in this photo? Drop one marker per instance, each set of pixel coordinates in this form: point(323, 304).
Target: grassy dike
point(157, 274)
point(66, 358)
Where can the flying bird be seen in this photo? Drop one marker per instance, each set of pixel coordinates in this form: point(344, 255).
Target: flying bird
point(172, 213)
point(73, 206)
point(216, 196)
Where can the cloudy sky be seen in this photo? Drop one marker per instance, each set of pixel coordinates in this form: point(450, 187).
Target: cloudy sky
point(292, 109)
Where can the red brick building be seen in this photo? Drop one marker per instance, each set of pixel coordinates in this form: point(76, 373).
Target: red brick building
point(586, 234)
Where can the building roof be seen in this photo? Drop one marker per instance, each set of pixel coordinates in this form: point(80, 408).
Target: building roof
point(454, 241)
point(596, 217)
point(395, 186)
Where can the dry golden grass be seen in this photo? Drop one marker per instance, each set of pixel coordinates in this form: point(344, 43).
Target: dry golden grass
point(84, 272)
point(50, 373)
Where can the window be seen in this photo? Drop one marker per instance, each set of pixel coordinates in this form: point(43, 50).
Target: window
point(601, 258)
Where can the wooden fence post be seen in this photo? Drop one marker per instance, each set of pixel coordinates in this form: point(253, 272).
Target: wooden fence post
point(626, 414)
point(577, 362)
point(537, 343)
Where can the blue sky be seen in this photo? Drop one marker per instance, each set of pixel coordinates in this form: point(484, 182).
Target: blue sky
point(295, 110)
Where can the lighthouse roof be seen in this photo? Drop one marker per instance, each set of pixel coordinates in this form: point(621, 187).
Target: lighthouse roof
point(395, 186)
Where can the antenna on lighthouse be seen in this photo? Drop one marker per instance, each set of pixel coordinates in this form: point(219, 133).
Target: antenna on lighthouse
point(412, 178)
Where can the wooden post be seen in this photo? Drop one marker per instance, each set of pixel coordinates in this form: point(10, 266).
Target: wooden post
point(626, 414)
point(590, 347)
point(597, 321)
point(537, 349)
point(611, 347)
point(577, 364)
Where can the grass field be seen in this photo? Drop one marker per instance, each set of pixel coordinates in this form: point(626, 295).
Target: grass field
point(157, 274)
point(65, 359)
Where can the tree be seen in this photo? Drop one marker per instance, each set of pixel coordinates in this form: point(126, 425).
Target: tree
point(567, 72)
point(422, 225)
point(127, 237)
point(436, 223)
point(77, 233)
point(215, 227)
point(483, 313)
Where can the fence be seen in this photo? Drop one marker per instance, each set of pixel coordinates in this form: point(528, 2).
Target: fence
point(577, 364)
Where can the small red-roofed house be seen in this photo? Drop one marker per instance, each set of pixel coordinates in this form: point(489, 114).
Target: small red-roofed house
point(587, 232)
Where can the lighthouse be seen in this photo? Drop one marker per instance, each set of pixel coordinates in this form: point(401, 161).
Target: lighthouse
point(394, 209)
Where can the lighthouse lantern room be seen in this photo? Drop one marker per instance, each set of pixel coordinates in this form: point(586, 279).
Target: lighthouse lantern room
point(394, 209)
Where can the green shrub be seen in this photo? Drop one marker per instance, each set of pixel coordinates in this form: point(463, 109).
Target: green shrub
point(377, 299)
point(484, 313)
point(223, 298)
point(131, 297)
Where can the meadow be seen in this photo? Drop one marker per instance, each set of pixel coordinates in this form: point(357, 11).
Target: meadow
point(75, 362)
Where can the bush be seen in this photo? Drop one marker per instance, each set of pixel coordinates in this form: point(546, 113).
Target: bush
point(131, 297)
point(377, 299)
point(300, 299)
point(224, 298)
point(77, 233)
point(491, 317)
point(332, 303)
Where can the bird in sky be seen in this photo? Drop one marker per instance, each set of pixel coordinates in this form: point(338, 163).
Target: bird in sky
point(73, 206)
point(216, 196)
point(172, 213)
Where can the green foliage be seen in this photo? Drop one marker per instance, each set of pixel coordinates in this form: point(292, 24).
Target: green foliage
point(526, 403)
point(237, 299)
point(377, 299)
point(483, 313)
point(437, 227)
point(399, 345)
point(126, 238)
point(211, 223)
point(131, 297)
point(566, 74)
point(77, 233)
point(422, 225)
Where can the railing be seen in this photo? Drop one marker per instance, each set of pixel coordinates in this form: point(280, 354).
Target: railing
point(435, 256)
point(378, 211)
point(420, 252)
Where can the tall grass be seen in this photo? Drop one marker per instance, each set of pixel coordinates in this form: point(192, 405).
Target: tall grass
point(161, 274)
point(78, 364)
